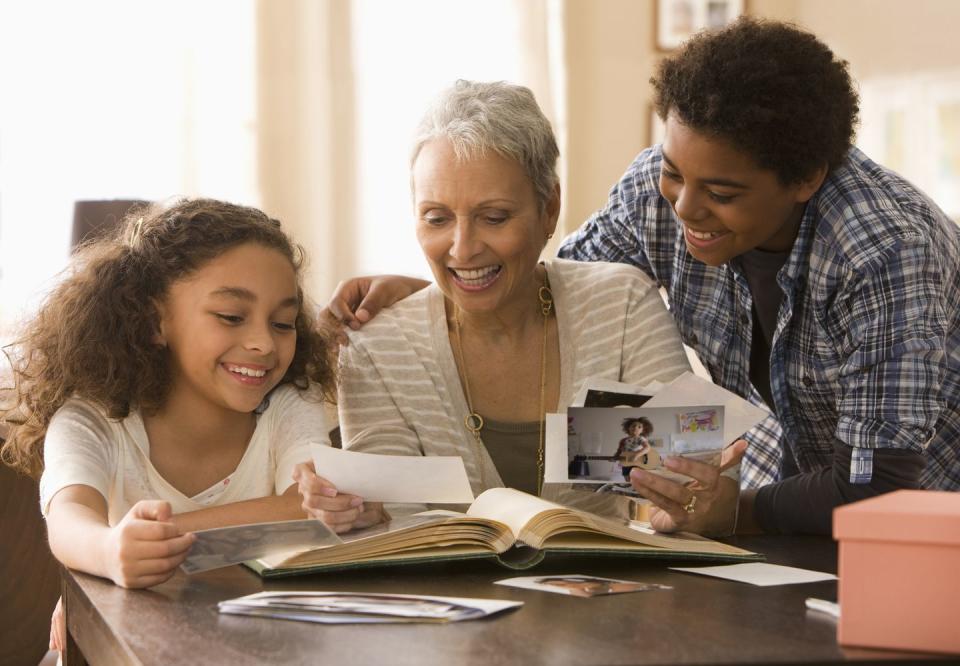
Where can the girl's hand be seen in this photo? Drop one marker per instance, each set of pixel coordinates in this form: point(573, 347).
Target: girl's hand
point(145, 548)
point(58, 628)
point(339, 511)
point(705, 505)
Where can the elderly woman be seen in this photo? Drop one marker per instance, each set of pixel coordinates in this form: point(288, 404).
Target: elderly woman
point(470, 365)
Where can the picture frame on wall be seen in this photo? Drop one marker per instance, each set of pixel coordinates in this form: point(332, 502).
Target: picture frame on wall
point(678, 20)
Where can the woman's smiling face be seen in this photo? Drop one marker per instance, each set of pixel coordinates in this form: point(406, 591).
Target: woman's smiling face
point(480, 226)
point(728, 205)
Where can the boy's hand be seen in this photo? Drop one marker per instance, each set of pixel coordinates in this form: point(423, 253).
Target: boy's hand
point(705, 505)
point(145, 548)
point(339, 511)
point(358, 300)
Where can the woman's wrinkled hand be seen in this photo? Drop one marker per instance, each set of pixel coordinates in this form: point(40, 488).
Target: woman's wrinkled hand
point(705, 505)
point(341, 512)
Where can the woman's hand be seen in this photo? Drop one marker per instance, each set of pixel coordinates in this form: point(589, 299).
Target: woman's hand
point(358, 300)
point(339, 511)
point(705, 505)
point(145, 548)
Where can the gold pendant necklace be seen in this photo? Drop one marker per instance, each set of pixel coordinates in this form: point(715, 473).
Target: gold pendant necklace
point(473, 421)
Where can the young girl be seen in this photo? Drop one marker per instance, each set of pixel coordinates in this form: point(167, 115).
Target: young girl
point(634, 444)
point(169, 384)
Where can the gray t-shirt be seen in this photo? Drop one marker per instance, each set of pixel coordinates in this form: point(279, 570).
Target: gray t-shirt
point(760, 268)
point(513, 449)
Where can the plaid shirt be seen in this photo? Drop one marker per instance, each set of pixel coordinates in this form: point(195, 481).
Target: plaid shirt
point(867, 344)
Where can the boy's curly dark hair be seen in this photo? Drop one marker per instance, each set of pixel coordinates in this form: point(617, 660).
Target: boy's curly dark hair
point(771, 89)
point(94, 337)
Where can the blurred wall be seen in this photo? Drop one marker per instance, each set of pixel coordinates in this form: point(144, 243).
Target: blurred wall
point(306, 132)
point(610, 57)
point(886, 37)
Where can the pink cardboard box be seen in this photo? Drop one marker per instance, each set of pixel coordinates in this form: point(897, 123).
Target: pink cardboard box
point(900, 571)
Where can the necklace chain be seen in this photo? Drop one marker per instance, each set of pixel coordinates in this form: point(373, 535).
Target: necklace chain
point(474, 422)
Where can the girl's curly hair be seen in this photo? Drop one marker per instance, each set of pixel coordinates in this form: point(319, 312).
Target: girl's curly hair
point(93, 337)
point(773, 90)
point(642, 420)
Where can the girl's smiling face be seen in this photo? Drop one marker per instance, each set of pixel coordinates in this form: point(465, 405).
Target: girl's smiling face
point(728, 205)
point(230, 328)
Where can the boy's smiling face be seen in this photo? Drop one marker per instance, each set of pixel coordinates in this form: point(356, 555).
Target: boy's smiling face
point(728, 205)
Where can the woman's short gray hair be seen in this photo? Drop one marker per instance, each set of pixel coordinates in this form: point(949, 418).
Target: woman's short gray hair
point(477, 117)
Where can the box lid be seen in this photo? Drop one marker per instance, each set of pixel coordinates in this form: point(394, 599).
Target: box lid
point(917, 516)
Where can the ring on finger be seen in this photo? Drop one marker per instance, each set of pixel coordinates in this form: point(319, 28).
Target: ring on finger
point(691, 505)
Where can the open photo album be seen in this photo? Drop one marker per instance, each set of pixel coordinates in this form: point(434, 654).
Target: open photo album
point(612, 428)
point(508, 526)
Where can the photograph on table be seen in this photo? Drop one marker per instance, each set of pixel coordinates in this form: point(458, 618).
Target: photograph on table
point(579, 585)
point(603, 444)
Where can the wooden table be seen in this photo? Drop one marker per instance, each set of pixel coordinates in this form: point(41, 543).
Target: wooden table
point(702, 620)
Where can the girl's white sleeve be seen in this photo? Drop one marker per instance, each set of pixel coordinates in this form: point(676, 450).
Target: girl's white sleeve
point(79, 449)
point(299, 420)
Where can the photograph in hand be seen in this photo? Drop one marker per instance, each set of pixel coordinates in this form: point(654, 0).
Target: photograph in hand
point(223, 546)
point(603, 444)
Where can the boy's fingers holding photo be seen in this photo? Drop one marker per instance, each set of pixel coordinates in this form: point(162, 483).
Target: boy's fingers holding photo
point(733, 454)
point(703, 473)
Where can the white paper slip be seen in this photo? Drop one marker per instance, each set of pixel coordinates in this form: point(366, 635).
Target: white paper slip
point(555, 449)
point(381, 478)
point(760, 573)
point(831, 608)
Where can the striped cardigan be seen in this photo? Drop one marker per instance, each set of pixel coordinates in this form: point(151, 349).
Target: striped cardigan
point(399, 388)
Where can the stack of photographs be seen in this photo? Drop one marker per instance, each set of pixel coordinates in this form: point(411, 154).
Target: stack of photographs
point(361, 608)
